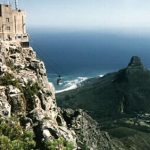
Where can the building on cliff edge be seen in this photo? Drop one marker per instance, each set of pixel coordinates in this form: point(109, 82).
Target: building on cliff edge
point(13, 25)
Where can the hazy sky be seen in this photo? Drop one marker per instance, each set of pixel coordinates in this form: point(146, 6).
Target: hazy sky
point(88, 14)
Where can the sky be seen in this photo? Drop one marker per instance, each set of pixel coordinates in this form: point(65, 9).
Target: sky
point(88, 14)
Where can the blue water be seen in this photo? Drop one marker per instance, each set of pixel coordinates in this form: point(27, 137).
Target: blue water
point(87, 54)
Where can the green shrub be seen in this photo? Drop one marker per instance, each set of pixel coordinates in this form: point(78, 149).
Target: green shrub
point(29, 91)
point(58, 144)
point(5, 143)
point(32, 89)
point(14, 137)
point(10, 64)
point(8, 79)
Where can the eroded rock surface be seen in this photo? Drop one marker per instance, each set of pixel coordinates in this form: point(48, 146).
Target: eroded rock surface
point(89, 135)
point(26, 92)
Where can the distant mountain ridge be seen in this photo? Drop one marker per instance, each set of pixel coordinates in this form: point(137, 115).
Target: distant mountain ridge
point(125, 91)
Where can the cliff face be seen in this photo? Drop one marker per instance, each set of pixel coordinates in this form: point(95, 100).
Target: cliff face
point(25, 92)
point(88, 132)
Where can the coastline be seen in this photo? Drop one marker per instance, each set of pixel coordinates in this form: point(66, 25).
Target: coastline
point(75, 83)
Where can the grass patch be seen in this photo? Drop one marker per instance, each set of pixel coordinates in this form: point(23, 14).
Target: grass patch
point(122, 132)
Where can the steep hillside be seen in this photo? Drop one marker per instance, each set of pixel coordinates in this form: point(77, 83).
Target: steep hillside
point(125, 91)
point(119, 102)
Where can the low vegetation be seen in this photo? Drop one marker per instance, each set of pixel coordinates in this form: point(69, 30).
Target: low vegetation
point(29, 91)
point(8, 79)
point(14, 137)
point(58, 144)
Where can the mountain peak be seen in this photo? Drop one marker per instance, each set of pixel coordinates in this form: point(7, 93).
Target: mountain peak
point(135, 62)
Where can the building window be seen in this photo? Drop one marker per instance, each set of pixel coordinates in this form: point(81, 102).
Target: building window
point(8, 28)
point(7, 19)
point(19, 37)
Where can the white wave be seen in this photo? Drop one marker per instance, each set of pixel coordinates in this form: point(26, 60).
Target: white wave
point(72, 84)
point(67, 89)
point(101, 75)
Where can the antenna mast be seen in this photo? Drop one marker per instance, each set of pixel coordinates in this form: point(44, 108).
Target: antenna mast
point(16, 4)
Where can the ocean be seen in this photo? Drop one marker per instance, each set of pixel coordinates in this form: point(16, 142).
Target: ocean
point(77, 56)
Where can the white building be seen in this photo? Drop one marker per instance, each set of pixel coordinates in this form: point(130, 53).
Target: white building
point(12, 24)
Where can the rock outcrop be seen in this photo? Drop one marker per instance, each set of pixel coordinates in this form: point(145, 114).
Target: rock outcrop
point(135, 62)
point(26, 92)
point(89, 135)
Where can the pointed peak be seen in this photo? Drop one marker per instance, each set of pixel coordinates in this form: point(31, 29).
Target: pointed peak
point(135, 62)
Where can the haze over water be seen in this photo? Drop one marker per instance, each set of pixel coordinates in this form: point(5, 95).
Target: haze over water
point(87, 53)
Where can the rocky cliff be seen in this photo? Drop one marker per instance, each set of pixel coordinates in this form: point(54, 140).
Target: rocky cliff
point(26, 93)
point(88, 132)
